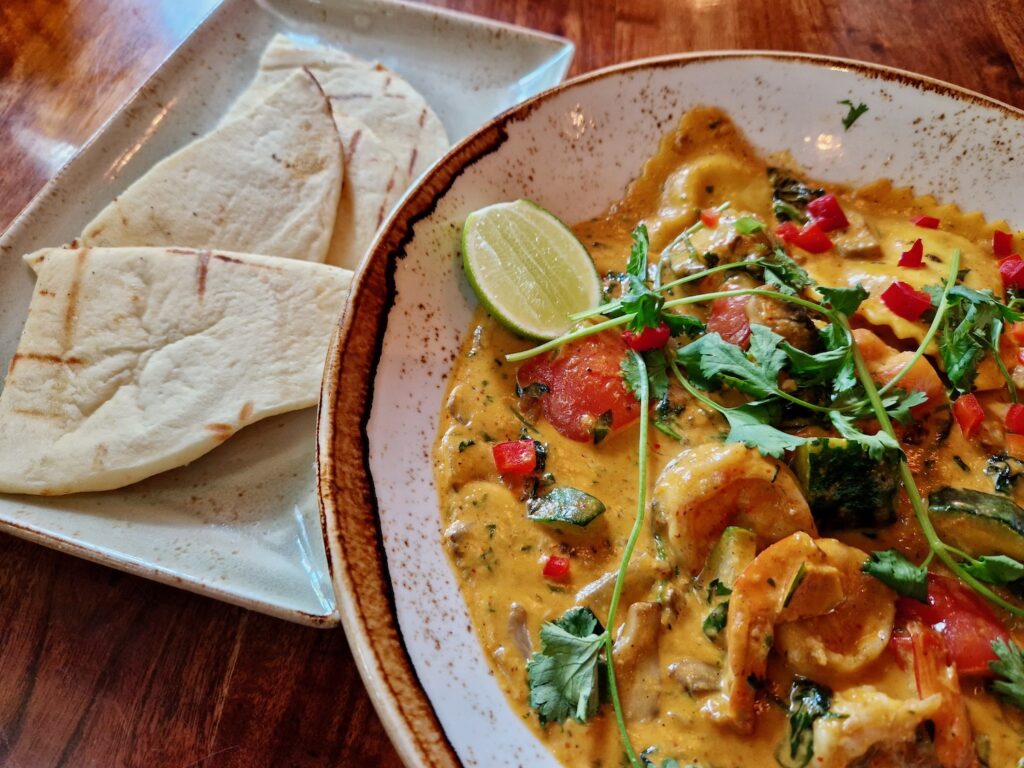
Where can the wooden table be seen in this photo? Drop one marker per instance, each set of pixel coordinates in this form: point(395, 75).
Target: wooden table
point(102, 669)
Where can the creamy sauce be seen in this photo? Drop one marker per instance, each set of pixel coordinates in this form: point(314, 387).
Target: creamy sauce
point(498, 554)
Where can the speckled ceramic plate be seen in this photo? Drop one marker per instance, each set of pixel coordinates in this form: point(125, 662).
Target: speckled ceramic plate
point(572, 150)
point(242, 524)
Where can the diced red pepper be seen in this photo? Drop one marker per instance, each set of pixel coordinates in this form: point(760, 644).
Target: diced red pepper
point(969, 414)
point(709, 217)
point(1015, 419)
point(927, 222)
point(1002, 243)
point(1011, 269)
point(812, 238)
point(904, 300)
point(648, 338)
point(787, 231)
point(516, 457)
point(827, 213)
point(557, 568)
point(913, 257)
point(728, 318)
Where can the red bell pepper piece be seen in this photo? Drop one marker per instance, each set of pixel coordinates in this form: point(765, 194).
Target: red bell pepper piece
point(827, 213)
point(1002, 243)
point(728, 318)
point(1011, 269)
point(969, 414)
point(905, 301)
point(557, 568)
point(786, 231)
point(709, 217)
point(812, 238)
point(927, 222)
point(648, 338)
point(515, 457)
point(913, 257)
point(1015, 419)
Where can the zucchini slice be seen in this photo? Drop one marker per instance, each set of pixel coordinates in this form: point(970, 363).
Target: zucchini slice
point(844, 486)
point(978, 523)
point(734, 551)
point(565, 505)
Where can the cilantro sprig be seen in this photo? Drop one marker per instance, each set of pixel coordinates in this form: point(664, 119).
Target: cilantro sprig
point(565, 676)
point(1010, 671)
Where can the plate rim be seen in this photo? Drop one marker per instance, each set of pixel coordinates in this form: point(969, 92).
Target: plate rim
point(560, 54)
point(363, 588)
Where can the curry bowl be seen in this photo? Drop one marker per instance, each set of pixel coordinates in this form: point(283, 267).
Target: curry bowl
point(573, 150)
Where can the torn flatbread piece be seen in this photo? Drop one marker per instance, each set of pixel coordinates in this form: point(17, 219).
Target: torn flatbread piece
point(134, 361)
point(395, 111)
point(267, 183)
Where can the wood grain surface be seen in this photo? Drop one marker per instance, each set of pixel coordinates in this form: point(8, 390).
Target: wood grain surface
point(102, 669)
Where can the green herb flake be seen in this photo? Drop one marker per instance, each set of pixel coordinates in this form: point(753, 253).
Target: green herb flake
point(464, 444)
point(853, 113)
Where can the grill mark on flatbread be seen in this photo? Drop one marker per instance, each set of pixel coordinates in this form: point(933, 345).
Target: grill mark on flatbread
point(353, 144)
point(412, 162)
point(44, 292)
point(423, 117)
point(202, 267)
point(249, 264)
point(38, 357)
point(245, 413)
point(220, 431)
point(350, 96)
point(71, 311)
point(35, 413)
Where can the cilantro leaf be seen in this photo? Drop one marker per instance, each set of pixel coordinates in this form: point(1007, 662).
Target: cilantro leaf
point(781, 270)
point(876, 445)
point(899, 402)
point(750, 425)
point(679, 324)
point(1010, 668)
point(995, 569)
point(566, 677)
point(748, 225)
point(716, 620)
point(640, 301)
point(637, 265)
point(657, 374)
point(817, 369)
point(632, 374)
point(845, 377)
point(854, 112)
point(894, 570)
point(712, 359)
point(807, 702)
point(844, 300)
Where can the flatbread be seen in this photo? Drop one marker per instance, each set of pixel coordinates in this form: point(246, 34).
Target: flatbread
point(370, 189)
point(268, 183)
point(409, 129)
point(134, 361)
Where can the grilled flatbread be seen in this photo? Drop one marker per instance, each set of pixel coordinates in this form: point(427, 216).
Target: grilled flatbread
point(369, 91)
point(137, 360)
point(267, 183)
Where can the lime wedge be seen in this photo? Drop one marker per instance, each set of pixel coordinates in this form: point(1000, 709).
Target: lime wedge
point(528, 269)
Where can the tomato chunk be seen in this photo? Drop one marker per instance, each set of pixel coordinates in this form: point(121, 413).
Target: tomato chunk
point(516, 457)
point(729, 319)
point(557, 568)
point(969, 414)
point(787, 231)
point(965, 621)
point(1002, 243)
point(1016, 333)
point(827, 213)
point(709, 217)
point(584, 382)
point(926, 222)
point(648, 338)
point(905, 301)
point(884, 363)
point(914, 256)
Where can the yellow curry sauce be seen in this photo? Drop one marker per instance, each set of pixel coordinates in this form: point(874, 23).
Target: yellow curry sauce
point(498, 554)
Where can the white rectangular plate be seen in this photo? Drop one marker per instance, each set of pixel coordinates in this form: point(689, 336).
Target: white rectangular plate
point(242, 523)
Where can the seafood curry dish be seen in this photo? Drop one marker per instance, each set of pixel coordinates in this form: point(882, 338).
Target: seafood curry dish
point(756, 501)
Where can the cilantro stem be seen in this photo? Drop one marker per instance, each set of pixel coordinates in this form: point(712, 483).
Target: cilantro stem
point(910, 485)
point(940, 313)
point(813, 306)
point(579, 333)
point(634, 535)
point(685, 234)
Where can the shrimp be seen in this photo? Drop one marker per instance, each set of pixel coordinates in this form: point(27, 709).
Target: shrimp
point(864, 719)
point(790, 580)
point(884, 362)
point(705, 489)
point(853, 635)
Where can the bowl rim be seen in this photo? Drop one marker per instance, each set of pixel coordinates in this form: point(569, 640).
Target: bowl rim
point(348, 502)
